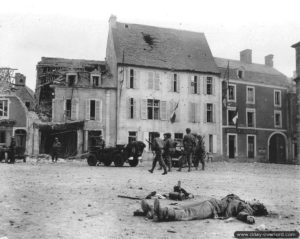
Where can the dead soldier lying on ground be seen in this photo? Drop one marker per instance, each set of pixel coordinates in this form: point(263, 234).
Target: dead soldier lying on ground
point(229, 206)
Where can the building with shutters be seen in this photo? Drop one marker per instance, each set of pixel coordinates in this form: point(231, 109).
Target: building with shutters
point(76, 103)
point(167, 81)
point(258, 95)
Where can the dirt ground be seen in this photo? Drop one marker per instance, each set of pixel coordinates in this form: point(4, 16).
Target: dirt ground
point(69, 199)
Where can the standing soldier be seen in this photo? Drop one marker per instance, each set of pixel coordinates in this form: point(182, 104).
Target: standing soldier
point(169, 149)
point(101, 142)
point(188, 146)
point(55, 149)
point(12, 149)
point(157, 146)
point(200, 152)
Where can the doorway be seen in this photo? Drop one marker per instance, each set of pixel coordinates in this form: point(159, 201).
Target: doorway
point(231, 146)
point(277, 150)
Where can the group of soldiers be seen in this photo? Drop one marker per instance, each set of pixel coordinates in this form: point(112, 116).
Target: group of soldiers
point(193, 150)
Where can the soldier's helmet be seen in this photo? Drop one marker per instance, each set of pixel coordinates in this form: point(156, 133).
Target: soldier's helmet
point(188, 130)
point(258, 208)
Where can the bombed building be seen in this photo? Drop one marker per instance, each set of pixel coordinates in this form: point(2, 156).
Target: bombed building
point(75, 102)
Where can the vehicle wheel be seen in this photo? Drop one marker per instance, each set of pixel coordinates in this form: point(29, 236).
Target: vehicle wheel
point(118, 160)
point(134, 162)
point(91, 160)
point(107, 162)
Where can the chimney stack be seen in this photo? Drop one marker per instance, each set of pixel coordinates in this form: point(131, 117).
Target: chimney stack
point(269, 60)
point(246, 56)
point(112, 21)
point(20, 79)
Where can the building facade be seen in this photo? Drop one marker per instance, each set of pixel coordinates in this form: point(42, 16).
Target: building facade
point(167, 81)
point(76, 100)
point(255, 110)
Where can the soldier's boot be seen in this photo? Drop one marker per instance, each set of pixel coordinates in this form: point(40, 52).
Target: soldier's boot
point(165, 170)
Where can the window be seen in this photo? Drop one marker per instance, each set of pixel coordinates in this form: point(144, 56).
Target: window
point(178, 137)
point(230, 115)
point(209, 86)
point(131, 78)
point(92, 110)
point(277, 119)
point(3, 108)
point(240, 74)
point(250, 118)
point(194, 85)
point(131, 108)
point(175, 83)
point(231, 93)
point(251, 146)
point(209, 113)
point(2, 137)
point(132, 136)
point(153, 109)
point(27, 104)
point(250, 95)
point(277, 98)
point(68, 109)
point(71, 79)
point(210, 143)
point(96, 80)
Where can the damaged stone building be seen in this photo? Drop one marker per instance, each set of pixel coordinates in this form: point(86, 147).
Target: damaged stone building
point(76, 102)
point(167, 80)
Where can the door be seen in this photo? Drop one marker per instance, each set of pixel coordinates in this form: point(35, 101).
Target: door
point(231, 146)
point(251, 147)
point(277, 149)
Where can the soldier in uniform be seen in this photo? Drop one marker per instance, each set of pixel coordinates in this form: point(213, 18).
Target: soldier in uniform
point(12, 150)
point(188, 146)
point(157, 146)
point(229, 206)
point(101, 142)
point(169, 149)
point(200, 152)
point(55, 149)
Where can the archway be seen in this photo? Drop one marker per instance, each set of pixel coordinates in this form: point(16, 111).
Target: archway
point(277, 148)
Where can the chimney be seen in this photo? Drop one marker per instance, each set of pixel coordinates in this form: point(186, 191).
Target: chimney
point(20, 79)
point(269, 60)
point(112, 21)
point(297, 48)
point(246, 56)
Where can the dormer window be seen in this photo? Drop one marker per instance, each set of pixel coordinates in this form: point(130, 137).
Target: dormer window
point(95, 80)
point(240, 74)
point(71, 79)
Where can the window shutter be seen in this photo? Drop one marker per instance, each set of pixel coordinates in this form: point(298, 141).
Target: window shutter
point(136, 81)
point(214, 113)
point(127, 78)
point(178, 82)
point(190, 84)
point(171, 108)
point(134, 109)
point(163, 110)
point(143, 109)
point(214, 85)
point(170, 82)
point(97, 110)
point(204, 86)
point(214, 143)
point(205, 113)
point(156, 81)
point(74, 109)
point(87, 110)
point(150, 80)
point(198, 85)
point(197, 113)
point(128, 107)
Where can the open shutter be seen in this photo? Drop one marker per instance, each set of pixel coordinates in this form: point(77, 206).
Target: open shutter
point(198, 84)
point(163, 110)
point(87, 109)
point(143, 109)
point(213, 85)
point(178, 82)
point(150, 80)
point(74, 109)
point(97, 110)
point(214, 113)
point(204, 112)
point(135, 109)
point(170, 82)
point(127, 78)
point(156, 81)
point(214, 144)
point(190, 84)
point(204, 86)
point(197, 113)
point(171, 107)
point(128, 105)
point(136, 82)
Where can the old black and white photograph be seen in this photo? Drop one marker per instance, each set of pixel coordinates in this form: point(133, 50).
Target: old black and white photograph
point(149, 119)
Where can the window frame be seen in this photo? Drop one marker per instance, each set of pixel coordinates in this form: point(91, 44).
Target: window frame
point(212, 112)
point(234, 93)
point(175, 82)
point(280, 98)
point(92, 80)
point(230, 109)
point(134, 137)
point(68, 80)
point(249, 110)
point(247, 95)
point(92, 118)
point(209, 78)
point(247, 145)
point(194, 84)
point(280, 115)
point(155, 108)
point(7, 105)
point(68, 113)
point(131, 78)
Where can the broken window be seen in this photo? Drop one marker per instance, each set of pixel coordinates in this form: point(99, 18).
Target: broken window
point(153, 109)
point(92, 110)
point(68, 109)
point(3, 108)
point(150, 40)
point(71, 79)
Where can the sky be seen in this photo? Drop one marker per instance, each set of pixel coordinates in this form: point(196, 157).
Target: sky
point(75, 29)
